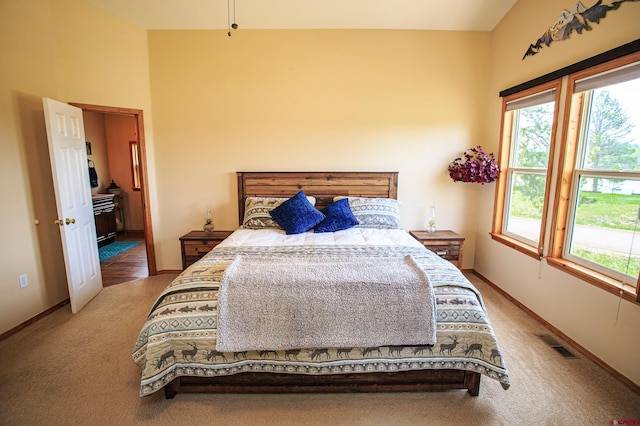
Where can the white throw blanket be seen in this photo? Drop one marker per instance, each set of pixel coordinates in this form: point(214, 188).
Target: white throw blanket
point(292, 302)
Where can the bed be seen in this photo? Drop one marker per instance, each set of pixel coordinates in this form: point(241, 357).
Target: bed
point(178, 348)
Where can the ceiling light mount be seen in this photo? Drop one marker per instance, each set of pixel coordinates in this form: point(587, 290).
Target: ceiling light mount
point(229, 24)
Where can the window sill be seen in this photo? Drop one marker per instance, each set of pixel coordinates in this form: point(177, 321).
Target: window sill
point(517, 245)
point(599, 280)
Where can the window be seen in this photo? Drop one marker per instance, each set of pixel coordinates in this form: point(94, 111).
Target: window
point(528, 132)
point(594, 201)
point(600, 191)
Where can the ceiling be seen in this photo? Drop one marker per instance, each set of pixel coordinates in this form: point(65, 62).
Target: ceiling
point(456, 15)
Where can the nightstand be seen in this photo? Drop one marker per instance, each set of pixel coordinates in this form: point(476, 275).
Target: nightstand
point(196, 244)
point(446, 244)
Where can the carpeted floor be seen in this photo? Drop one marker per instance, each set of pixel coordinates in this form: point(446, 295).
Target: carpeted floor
point(115, 248)
point(77, 370)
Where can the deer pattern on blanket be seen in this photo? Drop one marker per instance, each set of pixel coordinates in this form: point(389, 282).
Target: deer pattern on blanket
point(179, 337)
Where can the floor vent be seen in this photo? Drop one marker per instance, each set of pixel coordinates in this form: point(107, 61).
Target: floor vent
point(557, 346)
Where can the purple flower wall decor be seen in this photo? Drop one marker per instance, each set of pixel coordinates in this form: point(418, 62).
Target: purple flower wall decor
point(475, 166)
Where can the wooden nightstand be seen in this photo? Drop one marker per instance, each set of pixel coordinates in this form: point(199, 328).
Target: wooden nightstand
point(446, 244)
point(196, 244)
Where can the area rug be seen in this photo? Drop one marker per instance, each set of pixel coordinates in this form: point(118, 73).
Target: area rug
point(115, 248)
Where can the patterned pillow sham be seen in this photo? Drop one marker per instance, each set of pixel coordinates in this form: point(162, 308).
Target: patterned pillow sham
point(380, 213)
point(296, 215)
point(257, 209)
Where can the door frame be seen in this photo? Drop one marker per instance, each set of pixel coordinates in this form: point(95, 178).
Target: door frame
point(144, 188)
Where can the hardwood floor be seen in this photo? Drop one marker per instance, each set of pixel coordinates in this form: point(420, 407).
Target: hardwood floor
point(127, 266)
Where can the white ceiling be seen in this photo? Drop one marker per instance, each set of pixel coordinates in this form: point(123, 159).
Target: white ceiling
point(458, 15)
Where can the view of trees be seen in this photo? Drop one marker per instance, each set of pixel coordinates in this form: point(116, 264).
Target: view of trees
point(534, 137)
point(610, 144)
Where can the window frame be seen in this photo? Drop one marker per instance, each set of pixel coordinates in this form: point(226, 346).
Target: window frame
point(503, 182)
point(564, 199)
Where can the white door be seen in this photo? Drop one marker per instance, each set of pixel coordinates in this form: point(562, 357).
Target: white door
point(67, 151)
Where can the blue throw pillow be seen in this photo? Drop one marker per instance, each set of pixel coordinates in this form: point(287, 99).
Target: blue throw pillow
point(338, 216)
point(297, 214)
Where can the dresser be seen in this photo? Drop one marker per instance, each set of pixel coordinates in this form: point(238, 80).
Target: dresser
point(446, 244)
point(105, 218)
point(196, 244)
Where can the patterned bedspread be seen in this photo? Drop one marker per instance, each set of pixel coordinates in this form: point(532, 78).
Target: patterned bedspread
point(179, 337)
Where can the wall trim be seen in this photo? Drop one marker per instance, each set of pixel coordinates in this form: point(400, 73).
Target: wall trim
point(584, 351)
point(32, 320)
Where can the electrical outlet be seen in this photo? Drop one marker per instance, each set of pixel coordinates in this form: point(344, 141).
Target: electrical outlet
point(24, 281)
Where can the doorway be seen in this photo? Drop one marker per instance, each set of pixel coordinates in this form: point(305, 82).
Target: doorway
point(127, 266)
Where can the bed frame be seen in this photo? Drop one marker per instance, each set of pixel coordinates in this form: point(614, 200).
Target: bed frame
point(324, 186)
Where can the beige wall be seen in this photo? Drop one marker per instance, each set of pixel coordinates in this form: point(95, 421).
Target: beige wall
point(73, 52)
point(583, 312)
point(94, 132)
point(407, 101)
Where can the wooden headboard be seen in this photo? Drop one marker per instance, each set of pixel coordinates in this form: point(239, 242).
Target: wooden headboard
point(322, 185)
